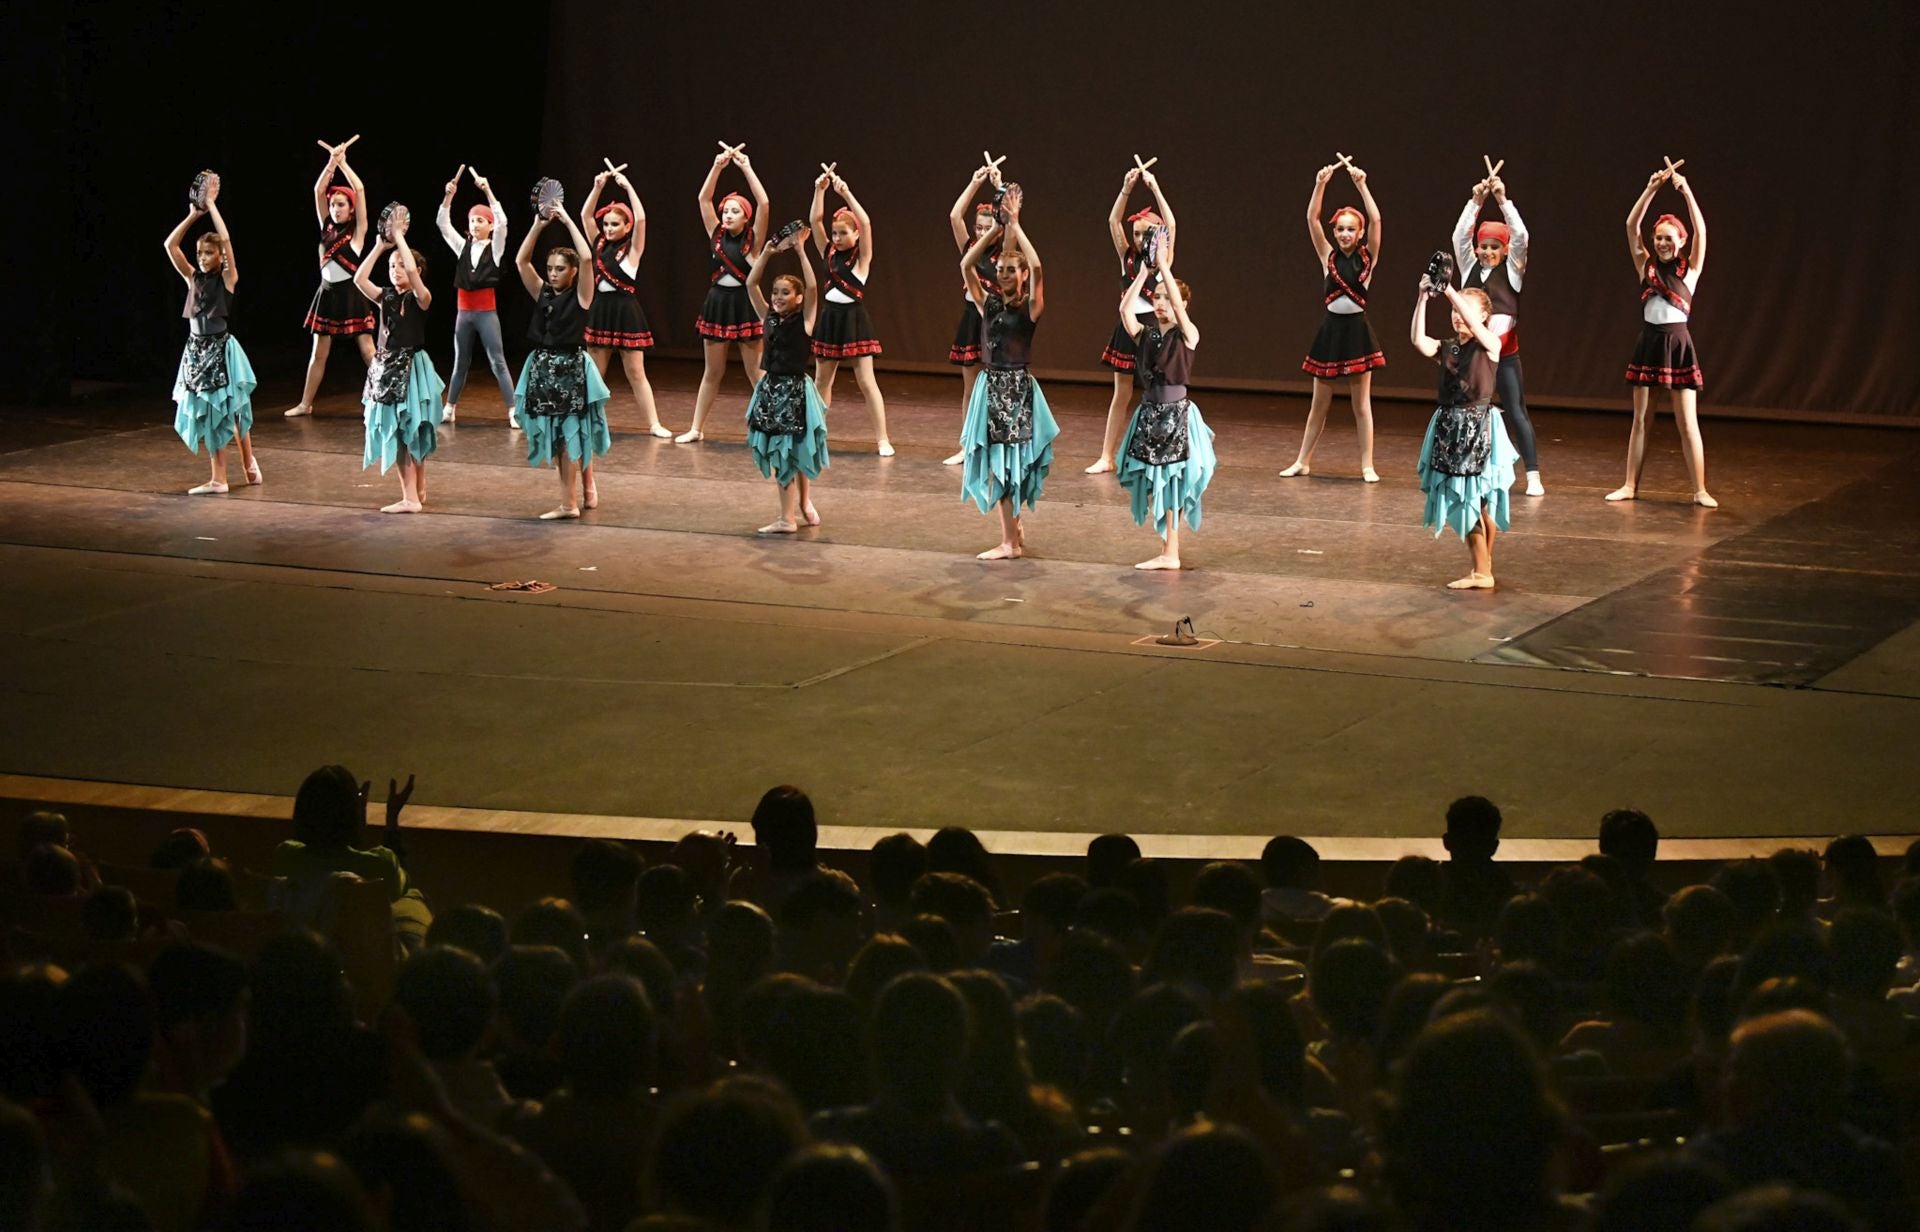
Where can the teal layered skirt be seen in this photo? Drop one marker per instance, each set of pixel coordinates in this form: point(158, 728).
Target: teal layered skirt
point(411, 422)
point(1007, 468)
point(563, 407)
point(1167, 489)
point(787, 428)
point(213, 394)
point(1456, 500)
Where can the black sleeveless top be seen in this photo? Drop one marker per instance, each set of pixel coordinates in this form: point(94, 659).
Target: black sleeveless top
point(403, 322)
point(468, 276)
point(1669, 280)
point(1497, 285)
point(729, 254)
point(607, 268)
point(1347, 275)
point(559, 322)
point(336, 244)
point(209, 303)
point(1007, 333)
point(1162, 359)
point(1467, 373)
point(840, 263)
point(786, 350)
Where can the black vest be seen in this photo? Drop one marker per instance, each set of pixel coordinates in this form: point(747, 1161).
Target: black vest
point(786, 349)
point(1347, 275)
point(403, 322)
point(1162, 359)
point(840, 263)
point(209, 303)
point(729, 254)
point(559, 322)
point(470, 277)
point(1467, 373)
point(1498, 286)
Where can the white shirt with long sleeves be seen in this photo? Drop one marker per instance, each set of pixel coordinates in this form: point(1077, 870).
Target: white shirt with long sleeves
point(458, 241)
point(1471, 274)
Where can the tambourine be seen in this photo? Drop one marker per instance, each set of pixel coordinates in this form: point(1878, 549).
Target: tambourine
point(1002, 196)
point(1156, 242)
point(791, 229)
point(394, 215)
point(1439, 273)
point(548, 197)
point(203, 183)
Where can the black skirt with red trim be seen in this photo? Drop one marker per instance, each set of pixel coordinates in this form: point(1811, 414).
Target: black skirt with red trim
point(615, 321)
point(843, 331)
point(1121, 348)
point(1664, 356)
point(1345, 346)
point(728, 316)
point(338, 309)
point(965, 350)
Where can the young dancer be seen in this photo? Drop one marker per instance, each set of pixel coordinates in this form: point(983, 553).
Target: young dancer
point(404, 395)
point(1664, 356)
point(1345, 348)
point(735, 230)
point(477, 256)
point(1466, 461)
point(336, 312)
point(562, 398)
point(1009, 429)
point(213, 390)
point(619, 235)
point(846, 331)
point(1492, 256)
point(965, 351)
point(786, 419)
point(1129, 232)
point(1166, 456)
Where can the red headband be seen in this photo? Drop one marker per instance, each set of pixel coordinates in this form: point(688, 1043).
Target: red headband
point(485, 211)
point(844, 212)
point(984, 208)
point(746, 206)
point(1679, 226)
point(1358, 217)
point(604, 210)
point(1149, 215)
point(1496, 230)
point(344, 191)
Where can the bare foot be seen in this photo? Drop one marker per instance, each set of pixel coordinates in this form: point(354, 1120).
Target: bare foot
point(808, 512)
point(1369, 475)
point(1534, 486)
point(662, 431)
point(298, 411)
point(782, 527)
point(1704, 501)
point(402, 506)
point(689, 437)
point(886, 449)
point(1473, 581)
point(956, 459)
point(1162, 561)
point(1298, 468)
point(208, 488)
point(1624, 492)
point(253, 472)
point(1103, 467)
point(448, 413)
point(1006, 551)
point(556, 515)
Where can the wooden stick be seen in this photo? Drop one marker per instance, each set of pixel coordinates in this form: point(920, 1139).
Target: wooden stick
point(349, 141)
point(1344, 160)
point(1671, 165)
point(459, 173)
point(1496, 168)
point(1489, 163)
point(829, 167)
point(1143, 166)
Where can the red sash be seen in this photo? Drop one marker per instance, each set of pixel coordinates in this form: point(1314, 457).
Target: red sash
point(335, 242)
point(1669, 282)
point(611, 271)
point(840, 273)
point(1337, 284)
point(723, 262)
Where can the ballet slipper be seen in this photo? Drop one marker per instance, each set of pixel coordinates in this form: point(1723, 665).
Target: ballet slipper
point(808, 512)
point(448, 412)
point(1005, 551)
point(690, 436)
point(781, 527)
point(956, 459)
point(1705, 501)
point(1625, 492)
point(513, 419)
point(662, 431)
point(886, 449)
point(1369, 475)
point(298, 412)
point(590, 499)
point(1102, 467)
point(1298, 468)
point(1534, 486)
point(402, 506)
point(253, 472)
point(209, 488)
point(558, 515)
point(1162, 561)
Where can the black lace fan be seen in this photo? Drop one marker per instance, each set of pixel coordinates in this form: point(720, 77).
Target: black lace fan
point(1439, 273)
point(548, 197)
point(393, 216)
point(203, 183)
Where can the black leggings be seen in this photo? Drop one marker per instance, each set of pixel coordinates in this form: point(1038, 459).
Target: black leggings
point(1510, 396)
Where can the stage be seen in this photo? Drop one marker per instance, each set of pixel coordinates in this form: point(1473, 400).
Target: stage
point(1747, 672)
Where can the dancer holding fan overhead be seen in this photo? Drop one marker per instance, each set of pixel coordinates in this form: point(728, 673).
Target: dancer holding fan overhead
point(337, 310)
point(1128, 232)
point(965, 351)
point(619, 234)
point(213, 390)
point(1664, 357)
point(563, 400)
point(1009, 429)
point(846, 331)
point(736, 228)
point(786, 420)
point(1345, 348)
point(477, 258)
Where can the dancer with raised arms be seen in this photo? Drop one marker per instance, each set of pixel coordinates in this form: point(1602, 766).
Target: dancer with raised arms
point(1129, 233)
point(337, 310)
point(969, 221)
point(1345, 348)
point(478, 256)
point(845, 330)
point(786, 418)
point(618, 232)
point(562, 398)
point(736, 228)
point(213, 390)
point(403, 395)
point(1492, 256)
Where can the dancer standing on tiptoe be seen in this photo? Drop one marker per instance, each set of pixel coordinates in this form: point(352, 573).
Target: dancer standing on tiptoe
point(1345, 348)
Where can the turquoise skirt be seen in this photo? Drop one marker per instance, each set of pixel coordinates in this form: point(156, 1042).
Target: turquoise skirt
point(1015, 471)
point(1172, 487)
point(411, 424)
point(563, 407)
point(212, 419)
point(782, 455)
point(1456, 500)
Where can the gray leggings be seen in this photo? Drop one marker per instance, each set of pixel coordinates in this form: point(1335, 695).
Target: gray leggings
point(485, 324)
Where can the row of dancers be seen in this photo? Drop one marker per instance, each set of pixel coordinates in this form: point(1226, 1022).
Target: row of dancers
point(1160, 449)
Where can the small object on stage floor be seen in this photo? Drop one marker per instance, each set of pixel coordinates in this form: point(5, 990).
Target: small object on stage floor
point(530, 587)
point(1182, 634)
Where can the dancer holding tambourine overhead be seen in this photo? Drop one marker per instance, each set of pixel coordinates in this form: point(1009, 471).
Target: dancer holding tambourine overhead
point(404, 396)
point(1344, 349)
point(965, 351)
point(786, 418)
point(563, 400)
point(1128, 233)
point(213, 390)
point(736, 228)
point(337, 311)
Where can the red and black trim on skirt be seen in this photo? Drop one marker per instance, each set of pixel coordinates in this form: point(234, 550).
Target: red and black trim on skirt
point(848, 350)
point(1119, 361)
point(619, 339)
point(317, 324)
point(1687, 377)
point(748, 331)
point(965, 356)
point(1328, 369)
